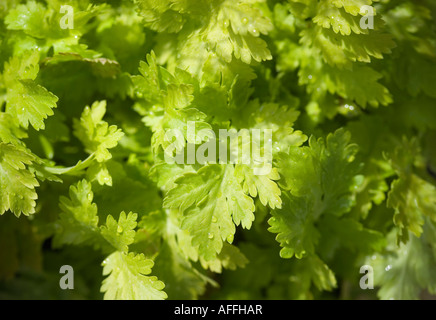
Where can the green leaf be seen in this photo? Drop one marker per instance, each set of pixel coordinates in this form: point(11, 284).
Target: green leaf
point(319, 180)
point(17, 184)
point(149, 83)
point(172, 97)
point(27, 101)
point(342, 50)
point(31, 103)
point(410, 196)
point(128, 278)
point(120, 234)
point(236, 30)
point(9, 132)
point(352, 6)
point(318, 273)
point(78, 221)
point(403, 273)
point(96, 134)
point(263, 186)
point(294, 225)
point(340, 21)
point(25, 67)
point(230, 258)
point(185, 282)
point(212, 202)
point(350, 234)
point(325, 172)
point(28, 17)
point(163, 16)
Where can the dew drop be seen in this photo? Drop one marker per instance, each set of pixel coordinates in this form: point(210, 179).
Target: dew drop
point(89, 196)
point(388, 267)
point(210, 235)
point(255, 32)
point(244, 20)
point(226, 24)
point(214, 220)
point(349, 107)
point(120, 229)
point(230, 238)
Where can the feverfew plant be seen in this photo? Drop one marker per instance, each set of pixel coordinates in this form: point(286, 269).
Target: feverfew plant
point(98, 98)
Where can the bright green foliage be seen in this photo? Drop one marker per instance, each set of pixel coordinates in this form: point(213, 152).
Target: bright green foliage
point(8, 133)
point(231, 28)
point(17, 184)
point(264, 185)
point(171, 98)
point(120, 234)
point(212, 202)
point(79, 219)
point(96, 135)
point(402, 273)
point(78, 224)
point(319, 180)
point(27, 101)
point(342, 175)
point(27, 17)
point(127, 278)
point(410, 196)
